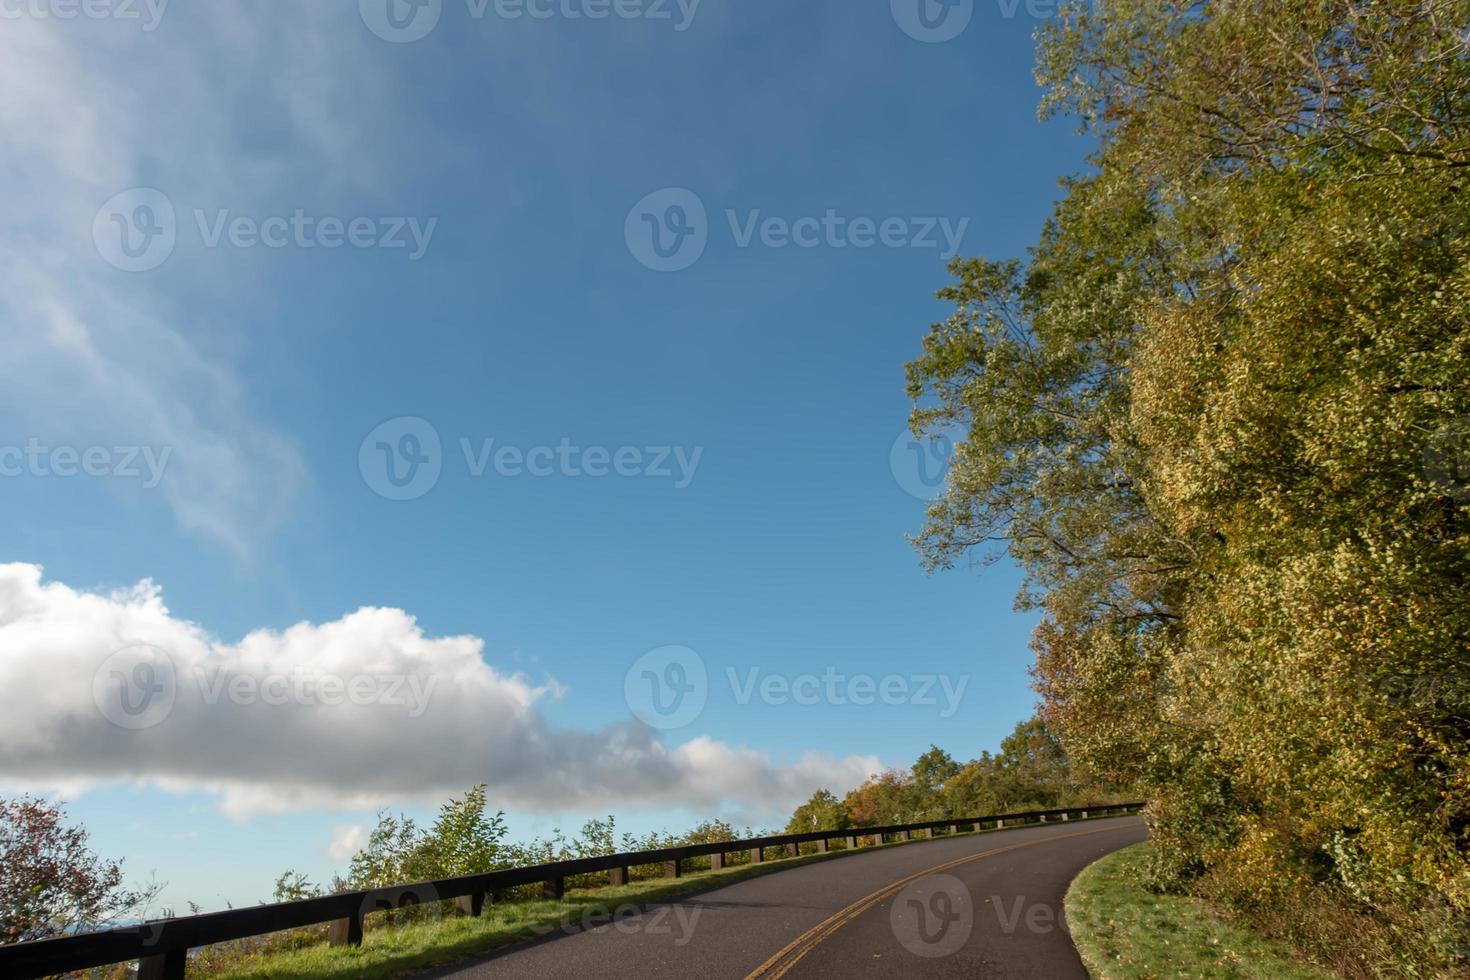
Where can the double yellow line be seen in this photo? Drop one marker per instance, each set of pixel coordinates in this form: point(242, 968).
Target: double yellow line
point(781, 963)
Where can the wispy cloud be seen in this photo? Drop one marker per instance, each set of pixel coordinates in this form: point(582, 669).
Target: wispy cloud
point(221, 107)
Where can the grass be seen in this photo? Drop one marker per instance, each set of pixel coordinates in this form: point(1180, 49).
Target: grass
point(1126, 932)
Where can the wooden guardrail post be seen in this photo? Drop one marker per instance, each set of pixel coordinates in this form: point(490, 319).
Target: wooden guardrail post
point(164, 966)
point(717, 861)
point(554, 888)
point(345, 932)
point(792, 850)
point(757, 854)
point(822, 846)
point(618, 877)
point(851, 842)
point(472, 905)
point(671, 868)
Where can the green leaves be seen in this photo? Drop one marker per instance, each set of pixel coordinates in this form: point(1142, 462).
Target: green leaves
point(822, 812)
point(1210, 416)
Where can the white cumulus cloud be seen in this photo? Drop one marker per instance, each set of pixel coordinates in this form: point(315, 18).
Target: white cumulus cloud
point(362, 712)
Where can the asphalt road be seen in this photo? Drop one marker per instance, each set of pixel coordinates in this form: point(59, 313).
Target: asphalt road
point(977, 905)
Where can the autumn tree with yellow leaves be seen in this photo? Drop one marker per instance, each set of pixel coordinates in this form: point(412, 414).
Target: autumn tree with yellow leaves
point(1221, 415)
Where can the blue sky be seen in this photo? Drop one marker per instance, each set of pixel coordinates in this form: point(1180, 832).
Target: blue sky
point(256, 365)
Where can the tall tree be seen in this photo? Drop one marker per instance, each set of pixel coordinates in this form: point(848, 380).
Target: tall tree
point(1219, 415)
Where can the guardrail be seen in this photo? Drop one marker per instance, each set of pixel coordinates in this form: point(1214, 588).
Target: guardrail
point(162, 946)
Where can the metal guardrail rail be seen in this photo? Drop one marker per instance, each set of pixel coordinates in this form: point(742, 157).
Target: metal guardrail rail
point(162, 946)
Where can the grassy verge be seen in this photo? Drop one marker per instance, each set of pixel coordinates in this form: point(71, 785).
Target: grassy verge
point(392, 950)
point(1126, 932)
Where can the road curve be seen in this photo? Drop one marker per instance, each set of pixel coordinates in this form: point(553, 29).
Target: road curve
point(977, 905)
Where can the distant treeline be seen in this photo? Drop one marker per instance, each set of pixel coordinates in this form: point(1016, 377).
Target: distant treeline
point(1031, 772)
